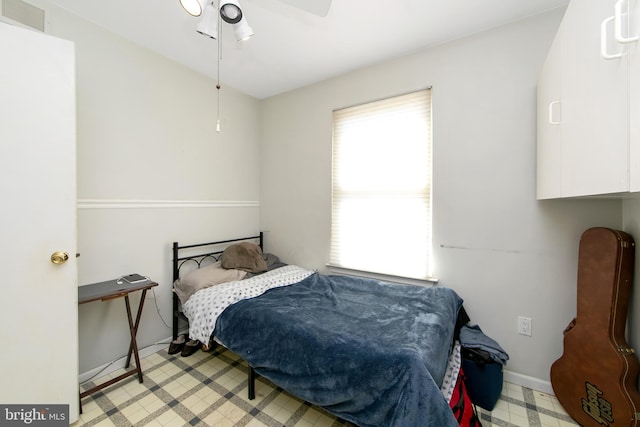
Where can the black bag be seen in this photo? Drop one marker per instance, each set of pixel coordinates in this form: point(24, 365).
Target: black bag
point(483, 377)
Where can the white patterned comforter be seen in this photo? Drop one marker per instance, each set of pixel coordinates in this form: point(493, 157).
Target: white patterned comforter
point(203, 308)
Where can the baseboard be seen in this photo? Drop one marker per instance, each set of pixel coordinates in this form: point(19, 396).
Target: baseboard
point(114, 365)
point(527, 381)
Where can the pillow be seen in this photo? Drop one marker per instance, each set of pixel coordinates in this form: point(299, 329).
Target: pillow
point(244, 256)
point(205, 277)
point(273, 261)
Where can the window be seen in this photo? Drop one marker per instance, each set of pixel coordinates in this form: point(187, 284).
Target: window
point(381, 196)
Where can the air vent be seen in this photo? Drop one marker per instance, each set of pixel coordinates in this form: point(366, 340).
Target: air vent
point(23, 13)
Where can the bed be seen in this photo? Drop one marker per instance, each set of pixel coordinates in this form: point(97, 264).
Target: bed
point(369, 352)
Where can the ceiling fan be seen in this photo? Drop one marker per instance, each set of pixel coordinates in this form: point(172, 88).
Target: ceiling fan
point(231, 12)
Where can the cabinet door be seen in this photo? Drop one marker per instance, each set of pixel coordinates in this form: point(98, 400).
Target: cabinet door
point(634, 93)
point(595, 126)
point(549, 147)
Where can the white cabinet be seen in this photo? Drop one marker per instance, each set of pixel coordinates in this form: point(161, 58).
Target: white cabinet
point(549, 130)
point(583, 103)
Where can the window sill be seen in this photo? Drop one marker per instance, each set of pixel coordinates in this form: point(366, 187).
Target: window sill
point(383, 277)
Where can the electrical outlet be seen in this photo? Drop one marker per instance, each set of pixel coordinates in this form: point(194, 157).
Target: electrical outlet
point(524, 326)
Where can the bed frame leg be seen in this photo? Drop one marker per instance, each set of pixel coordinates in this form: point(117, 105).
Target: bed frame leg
point(252, 383)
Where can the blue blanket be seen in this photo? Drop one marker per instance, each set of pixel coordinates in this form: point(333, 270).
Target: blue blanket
point(372, 353)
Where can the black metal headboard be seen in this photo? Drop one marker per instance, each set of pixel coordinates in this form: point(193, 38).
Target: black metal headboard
point(198, 254)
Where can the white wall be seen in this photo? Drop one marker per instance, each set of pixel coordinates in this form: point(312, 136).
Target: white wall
point(146, 132)
point(505, 253)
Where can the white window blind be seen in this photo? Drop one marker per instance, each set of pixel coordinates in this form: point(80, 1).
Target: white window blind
point(381, 195)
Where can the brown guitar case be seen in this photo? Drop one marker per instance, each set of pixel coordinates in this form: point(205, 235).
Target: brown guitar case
point(595, 379)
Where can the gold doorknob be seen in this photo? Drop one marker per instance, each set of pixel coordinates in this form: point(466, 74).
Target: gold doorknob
point(59, 257)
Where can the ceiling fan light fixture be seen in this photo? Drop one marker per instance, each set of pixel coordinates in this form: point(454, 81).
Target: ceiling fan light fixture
point(242, 30)
point(192, 7)
point(230, 11)
point(208, 25)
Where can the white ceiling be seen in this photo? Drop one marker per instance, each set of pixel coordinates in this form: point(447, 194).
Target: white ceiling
point(292, 48)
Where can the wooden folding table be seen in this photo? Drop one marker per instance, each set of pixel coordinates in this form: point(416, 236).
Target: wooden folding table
point(109, 290)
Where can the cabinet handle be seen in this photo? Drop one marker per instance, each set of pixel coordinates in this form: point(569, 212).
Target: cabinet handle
point(618, 25)
point(551, 121)
point(604, 39)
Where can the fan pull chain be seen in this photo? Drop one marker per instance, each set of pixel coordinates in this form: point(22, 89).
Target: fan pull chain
point(218, 70)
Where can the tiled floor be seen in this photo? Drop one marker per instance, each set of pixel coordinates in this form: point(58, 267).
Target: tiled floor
point(209, 389)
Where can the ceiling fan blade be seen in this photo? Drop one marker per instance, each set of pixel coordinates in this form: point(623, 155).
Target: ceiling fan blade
point(317, 7)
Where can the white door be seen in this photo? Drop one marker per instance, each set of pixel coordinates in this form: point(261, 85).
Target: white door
point(38, 306)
